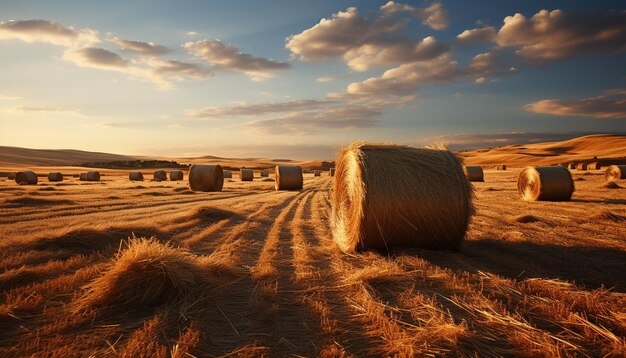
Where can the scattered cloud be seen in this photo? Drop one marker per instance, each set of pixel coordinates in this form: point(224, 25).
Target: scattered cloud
point(115, 125)
point(479, 35)
point(176, 126)
point(555, 35)
point(488, 64)
point(9, 98)
point(434, 16)
point(140, 47)
point(229, 58)
point(49, 110)
point(178, 70)
point(95, 57)
point(46, 31)
point(191, 33)
point(325, 79)
point(361, 42)
point(612, 104)
point(258, 109)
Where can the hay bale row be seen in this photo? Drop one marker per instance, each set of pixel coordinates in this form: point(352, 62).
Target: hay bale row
point(159, 175)
point(474, 173)
point(595, 166)
point(26, 178)
point(288, 177)
point(55, 177)
point(176, 175)
point(552, 183)
point(501, 167)
point(331, 172)
point(581, 166)
point(572, 165)
point(246, 174)
point(265, 173)
point(228, 174)
point(135, 176)
point(615, 172)
point(317, 173)
point(387, 196)
point(206, 177)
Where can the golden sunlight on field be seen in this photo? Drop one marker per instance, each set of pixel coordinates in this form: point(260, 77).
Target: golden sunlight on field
point(153, 269)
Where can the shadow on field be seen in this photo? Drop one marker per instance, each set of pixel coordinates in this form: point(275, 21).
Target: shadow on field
point(606, 201)
point(591, 267)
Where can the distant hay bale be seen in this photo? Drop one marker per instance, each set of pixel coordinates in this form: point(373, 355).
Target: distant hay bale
point(572, 165)
point(265, 173)
point(474, 173)
point(82, 176)
point(595, 166)
point(176, 175)
point(92, 176)
point(160, 175)
point(581, 166)
point(332, 172)
point(26, 177)
point(206, 177)
point(615, 172)
point(501, 167)
point(387, 196)
point(246, 174)
point(135, 176)
point(317, 173)
point(228, 174)
point(288, 177)
point(11, 176)
point(545, 184)
point(55, 176)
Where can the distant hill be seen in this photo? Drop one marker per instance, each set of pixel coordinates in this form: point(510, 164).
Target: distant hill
point(43, 157)
point(602, 146)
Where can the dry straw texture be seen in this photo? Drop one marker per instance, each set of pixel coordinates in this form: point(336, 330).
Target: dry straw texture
point(160, 175)
point(388, 196)
point(581, 166)
point(288, 177)
point(332, 172)
point(92, 176)
point(55, 176)
point(501, 167)
point(615, 172)
point(545, 184)
point(176, 175)
point(26, 177)
point(265, 173)
point(135, 176)
point(474, 173)
point(317, 173)
point(228, 174)
point(246, 174)
point(206, 177)
point(595, 166)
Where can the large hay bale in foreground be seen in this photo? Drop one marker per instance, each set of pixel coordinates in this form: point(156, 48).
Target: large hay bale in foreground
point(135, 176)
point(160, 175)
point(206, 177)
point(265, 173)
point(246, 174)
point(55, 176)
point(545, 184)
point(615, 172)
point(595, 166)
point(228, 174)
point(331, 172)
point(581, 166)
point(501, 167)
point(26, 177)
point(474, 173)
point(176, 175)
point(92, 176)
point(288, 177)
point(317, 173)
point(387, 196)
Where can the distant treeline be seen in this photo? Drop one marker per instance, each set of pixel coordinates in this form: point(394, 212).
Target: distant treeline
point(135, 164)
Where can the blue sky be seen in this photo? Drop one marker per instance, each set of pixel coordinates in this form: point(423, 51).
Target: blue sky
point(268, 79)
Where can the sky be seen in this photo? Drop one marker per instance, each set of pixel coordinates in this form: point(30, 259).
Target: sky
point(299, 79)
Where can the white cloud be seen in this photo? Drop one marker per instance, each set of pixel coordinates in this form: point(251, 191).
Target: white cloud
point(475, 36)
point(434, 16)
point(140, 47)
point(48, 110)
point(46, 31)
point(612, 104)
point(10, 98)
point(325, 79)
point(191, 33)
point(257, 109)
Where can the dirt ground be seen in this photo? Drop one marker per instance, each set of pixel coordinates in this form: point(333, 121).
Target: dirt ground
point(532, 279)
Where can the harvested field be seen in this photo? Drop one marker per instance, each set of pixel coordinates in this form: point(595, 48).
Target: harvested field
point(256, 272)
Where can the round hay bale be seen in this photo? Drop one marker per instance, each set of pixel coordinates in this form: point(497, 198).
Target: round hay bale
point(176, 175)
point(55, 176)
point(135, 176)
point(332, 172)
point(545, 184)
point(11, 176)
point(92, 176)
point(160, 175)
point(387, 196)
point(82, 177)
point(206, 177)
point(246, 174)
point(26, 177)
point(265, 173)
point(288, 177)
point(228, 174)
point(595, 166)
point(474, 173)
point(501, 167)
point(572, 165)
point(615, 172)
point(581, 166)
point(317, 173)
